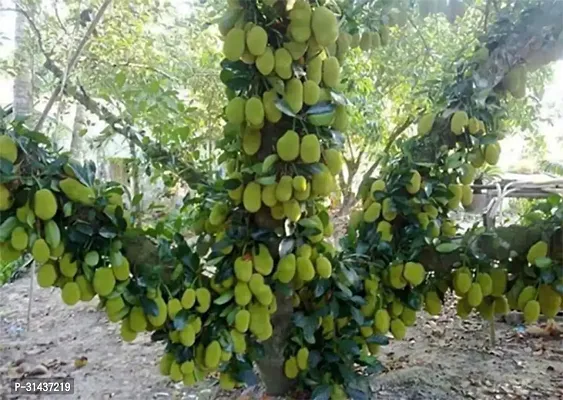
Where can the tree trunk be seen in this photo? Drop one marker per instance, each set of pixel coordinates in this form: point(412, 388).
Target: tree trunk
point(23, 92)
point(78, 127)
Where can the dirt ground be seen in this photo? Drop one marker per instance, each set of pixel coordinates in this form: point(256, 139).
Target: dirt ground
point(441, 358)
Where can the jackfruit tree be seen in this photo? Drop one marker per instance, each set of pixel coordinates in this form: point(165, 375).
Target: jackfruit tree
point(263, 285)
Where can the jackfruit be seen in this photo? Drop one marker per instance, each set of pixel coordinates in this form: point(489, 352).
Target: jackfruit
point(299, 32)
point(19, 238)
point(242, 320)
point(527, 294)
point(296, 49)
point(473, 125)
point(515, 81)
point(414, 184)
point(475, 295)
point(269, 195)
point(423, 220)
point(323, 183)
point(226, 381)
point(485, 282)
point(466, 195)
point(303, 358)
point(425, 123)
point(531, 312)
point(265, 295)
point(457, 191)
point(254, 111)
point(305, 269)
point(500, 306)
point(311, 92)
point(188, 298)
point(499, 278)
point(137, 319)
point(384, 229)
point(414, 273)
point(293, 95)
point(166, 363)
point(458, 122)
point(252, 197)
point(122, 271)
point(70, 293)
point(315, 70)
point(235, 111)
point(549, 300)
point(408, 316)
point(263, 261)
point(174, 307)
point(290, 368)
point(104, 281)
point(340, 122)
point(432, 303)
point(92, 258)
point(46, 275)
point(6, 199)
point(492, 153)
point(396, 278)
point(304, 195)
point(203, 296)
point(537, 250)
point(45, 203)
point(286, 268)
point(398, 329)
point(372, 213)
point(213, 355)
point(265, 62)
point(256, 40)
point(476, 158)
point(234, 44)
point(218, 214)
point(40, 251)
point(365, 41)
point(8, 149)
point(375, 40)
point(388, 209)
point(448, 228)
point(324, 267)
point(243, 269)
point(67, 266)
point(175, 372)
point(277, 212)
point(331, 72)
point(462, 283)
point(242, 294)
point(292, 210)
point(75, 191)
point(284, 189)
point(334, 160)
point(283, 63)
point(467, 174)
point(287, 146)
point(310, 149)
point(299, 183)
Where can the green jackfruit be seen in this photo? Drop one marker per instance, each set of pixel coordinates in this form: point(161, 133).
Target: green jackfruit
point(271, 111)
point(104, 281)
point(457, 192)
point(137, 319)
point(303, 358)
point(213, 355)
point(315, 69)
point(515, 81)
point(458, 122)
point(499, 278)
point(234, 44)
point(239, 342)
point(414, 184)
point(292, 210)
point(299, 32)
point(166, 363)
point(365, 41)
point(235, 111)
point(286, 268)
point(398, 329)
point(324, 26)
point(492, 153)
point(323, 267)
point(75, 191)
point(375, 40)
point(45, 203)
point(323, 183)
point(46, 275)
point(68, 266)
point(242, 321)
point(290, 368)
point(537, 250)
point(331, 72)
point(122, 271)
point(173, 307)
point(299, 183)
point(527, 294)
point(334, 160)
point(287, 146)
point(462, 283)
point(6, 199)
point(340, 122)
point(305, 269)
point(372, 213)
point(8, 149)
point(388, 209)
point(188, 298)
point(40, 251)
point(70, 293)
point(311, 92)
point(466, 195)
point(549, 300)
point(265, 62)
point(296, 49)
point(467, 174)
point(203, 296)
point(283, 62)
point(500, 306)
point(269, 195)
point(87, 292)
point(303, 195)
point(486, 283)
point(475, 295)
point(243, 268)
point(19, 238)
point(284, 189)
point(256, 40)
point(384, 229)
point(262, 260)
point(414, 273)
point(310, 149)
point(277, 212)
point(252, 197)
point(432, 303)
point(254, 111)
point(531, 312)
point(293, 94)
point(473, 125)
point(425, 123)
point(476, 158)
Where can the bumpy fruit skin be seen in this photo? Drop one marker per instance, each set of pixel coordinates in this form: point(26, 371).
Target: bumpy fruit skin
point(341, 120)
point(265, 62)
point(292, 210)
point(290, 368)
point(324, 267)
point(475, 295)
point(46, 275)
point(432, 303)
point(269, 195)
point(501, 306)
point(8, 149)
point(549, 300)
point(19, 238)
point(334, 161)
point(242, 294)
point(398, 329)
point(213, 355)
point(127, 334)
point(6, 199)
point(287, 146)
point(203, 297)
point(70, 293)
point(293, 94)
point(382, 321)
point(286, 268)
point(387, 209)
point(458, 122)
point(372, 213)
point(531, 312)
point(324, 26)
point(283, 61)
point(254, 111)
point(226, 381)
point(68, 266)
point(45, 204)
point(233, 46)
point(311, 92)
point(315, 69)
point(492, 153)
point(252, 197)
point(414, 184)
point(251, 139)
point(527, 294)
point(76, 192)
point(305, 269)
point(486, 283)
point(243, 269)
point(425, 124)
point(310, 149)
point(256, 40)
point(466, 195)
point(52, 234)
point(160, 318)
point(537, 250)
point(174, 306)
point(467, 174)
point(188, 298)
point(235, 111)
point(242, 321)
point(331, 72)
point(104, 281)
point(299, 183)
point(284, 189)
point(262, 260)
point(122, 271)
point(40, 251)
point(137, 319)
point(414, 273)
point(462, 283)
point(303, 358)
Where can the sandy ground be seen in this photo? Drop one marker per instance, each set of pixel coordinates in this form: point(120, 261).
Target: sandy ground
point(441, 358)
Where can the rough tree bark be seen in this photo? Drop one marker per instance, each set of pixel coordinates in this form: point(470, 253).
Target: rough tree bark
point(23, 88)
point(79, 125)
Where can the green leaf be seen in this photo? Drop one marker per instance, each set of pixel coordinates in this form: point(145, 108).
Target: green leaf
point(447, 247)
point(308, 223)
point(224, 298)
point(232, 184)
point(266, 180)
point(181, 319)
point(321, 108)
point(282, 105)
point(321, 392)
point(120, 79)
point(381, 340)
point(543, 262)
point(348, 346)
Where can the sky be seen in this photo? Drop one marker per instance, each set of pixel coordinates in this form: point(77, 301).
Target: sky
point(512, 148)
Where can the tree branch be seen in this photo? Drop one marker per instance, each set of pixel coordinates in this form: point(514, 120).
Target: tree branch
point(428, 50)
point(71, 63)
point(20, 10)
